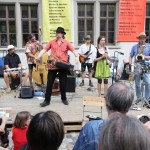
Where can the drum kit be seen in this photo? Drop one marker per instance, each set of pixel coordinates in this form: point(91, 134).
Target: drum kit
point(138, 68)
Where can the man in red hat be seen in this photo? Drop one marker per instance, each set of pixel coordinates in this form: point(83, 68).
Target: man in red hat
point(142, 49)
point(59, 48)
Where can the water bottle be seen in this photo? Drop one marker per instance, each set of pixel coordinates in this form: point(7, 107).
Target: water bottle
point(39, 94)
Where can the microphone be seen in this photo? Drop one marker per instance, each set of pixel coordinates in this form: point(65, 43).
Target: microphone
point(121, 53)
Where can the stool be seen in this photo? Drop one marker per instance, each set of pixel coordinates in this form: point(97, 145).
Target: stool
point(93, 101)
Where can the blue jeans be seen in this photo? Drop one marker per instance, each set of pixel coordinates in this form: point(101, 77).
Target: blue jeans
point(146, 79)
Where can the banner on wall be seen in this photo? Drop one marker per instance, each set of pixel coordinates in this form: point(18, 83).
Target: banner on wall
point(56, 13)
point(131, 19)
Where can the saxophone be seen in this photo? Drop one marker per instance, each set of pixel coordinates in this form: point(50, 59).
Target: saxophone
point(140, 56)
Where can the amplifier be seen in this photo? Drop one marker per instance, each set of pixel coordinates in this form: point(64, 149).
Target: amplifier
point(26, 92)
point(71, 84)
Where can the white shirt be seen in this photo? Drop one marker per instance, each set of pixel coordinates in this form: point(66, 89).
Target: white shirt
point(84, 48)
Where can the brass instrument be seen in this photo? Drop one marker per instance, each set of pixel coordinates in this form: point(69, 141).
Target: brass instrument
point(140, 56)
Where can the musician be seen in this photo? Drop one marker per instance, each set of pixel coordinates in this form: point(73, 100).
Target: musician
point(32, 46)
point(59, 48)
point(101, 66)
point(84, 48)
point(12, 60)
point(146, 77)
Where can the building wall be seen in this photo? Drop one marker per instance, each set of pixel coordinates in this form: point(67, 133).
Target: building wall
point(124, 47)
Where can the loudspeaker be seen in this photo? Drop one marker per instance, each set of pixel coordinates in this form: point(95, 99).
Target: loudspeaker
point(26, 92)
point(71, 84)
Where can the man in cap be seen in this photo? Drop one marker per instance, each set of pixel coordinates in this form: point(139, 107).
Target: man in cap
point(144, 49)
point(59, 49)
point(88, 52)
point(12, 60)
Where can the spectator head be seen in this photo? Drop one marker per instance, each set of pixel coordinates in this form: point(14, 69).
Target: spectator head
point(22, 119)
point(119, 98)
point(46, 131)
point(122, 132)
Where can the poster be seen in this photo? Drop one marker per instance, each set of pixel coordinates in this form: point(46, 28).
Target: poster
point(131, 19)
point(56, 13)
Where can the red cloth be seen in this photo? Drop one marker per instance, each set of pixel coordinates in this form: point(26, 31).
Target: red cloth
point(19, 137)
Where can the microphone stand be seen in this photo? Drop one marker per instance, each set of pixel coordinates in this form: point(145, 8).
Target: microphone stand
point(115, 65)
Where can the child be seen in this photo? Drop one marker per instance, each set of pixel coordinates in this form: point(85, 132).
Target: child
point(20, 128)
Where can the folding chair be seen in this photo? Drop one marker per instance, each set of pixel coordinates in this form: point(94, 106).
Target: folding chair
point(93, 101)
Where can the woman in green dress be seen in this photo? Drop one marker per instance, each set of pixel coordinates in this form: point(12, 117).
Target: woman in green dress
point(102, 70)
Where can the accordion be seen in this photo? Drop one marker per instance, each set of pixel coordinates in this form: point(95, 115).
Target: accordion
point(54, 64)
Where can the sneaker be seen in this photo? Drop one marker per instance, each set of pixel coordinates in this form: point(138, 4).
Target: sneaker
point(8, 90)
point(81, 84)
point(91, 84)
point(147, 104)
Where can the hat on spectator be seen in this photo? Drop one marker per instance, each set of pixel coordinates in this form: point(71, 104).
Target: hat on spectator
point(142, 34)
point(10, 47)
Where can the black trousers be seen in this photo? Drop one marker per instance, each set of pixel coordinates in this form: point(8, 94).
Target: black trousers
point(62, 80)
point(4, 137)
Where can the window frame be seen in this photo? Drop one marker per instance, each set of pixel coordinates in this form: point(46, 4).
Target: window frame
point(29, 19)
point(107, 18)
point(7, 20)
point(85, 18)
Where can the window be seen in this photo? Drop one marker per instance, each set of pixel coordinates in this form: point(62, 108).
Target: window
point(7, 25)
point(147, 26)
point(85, 21)
point(29, 21)
point(107, 22)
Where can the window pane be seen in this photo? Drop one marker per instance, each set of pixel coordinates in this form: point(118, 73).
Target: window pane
point(3, 28)
point(25, 39)
point(25, 12)
point(103, 25)
point(103, 10)
point(111, 25)
point(89, 9)
point(4, 40)
point(147, 27)
point(12, 27)
point(103, 34)
point(111, 10)
point(81, 10)
point(33, 11)
point(110, 37)
point(25, 26)
point(2, 11)
point(89, 25)
point(12, 39)
point(11, 11)
point(81, 38)
point(34, 26)
point(81, 25)
point(148, 10)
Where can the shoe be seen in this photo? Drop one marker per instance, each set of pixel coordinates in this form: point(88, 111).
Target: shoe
point(81, 84)
point(8, 90)
point(138, 100)
point(44, 104)
point(91, 84)
point(65, 102)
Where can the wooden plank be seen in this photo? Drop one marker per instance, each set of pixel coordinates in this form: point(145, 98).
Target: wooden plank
point(73, 127)
point(93, 98)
